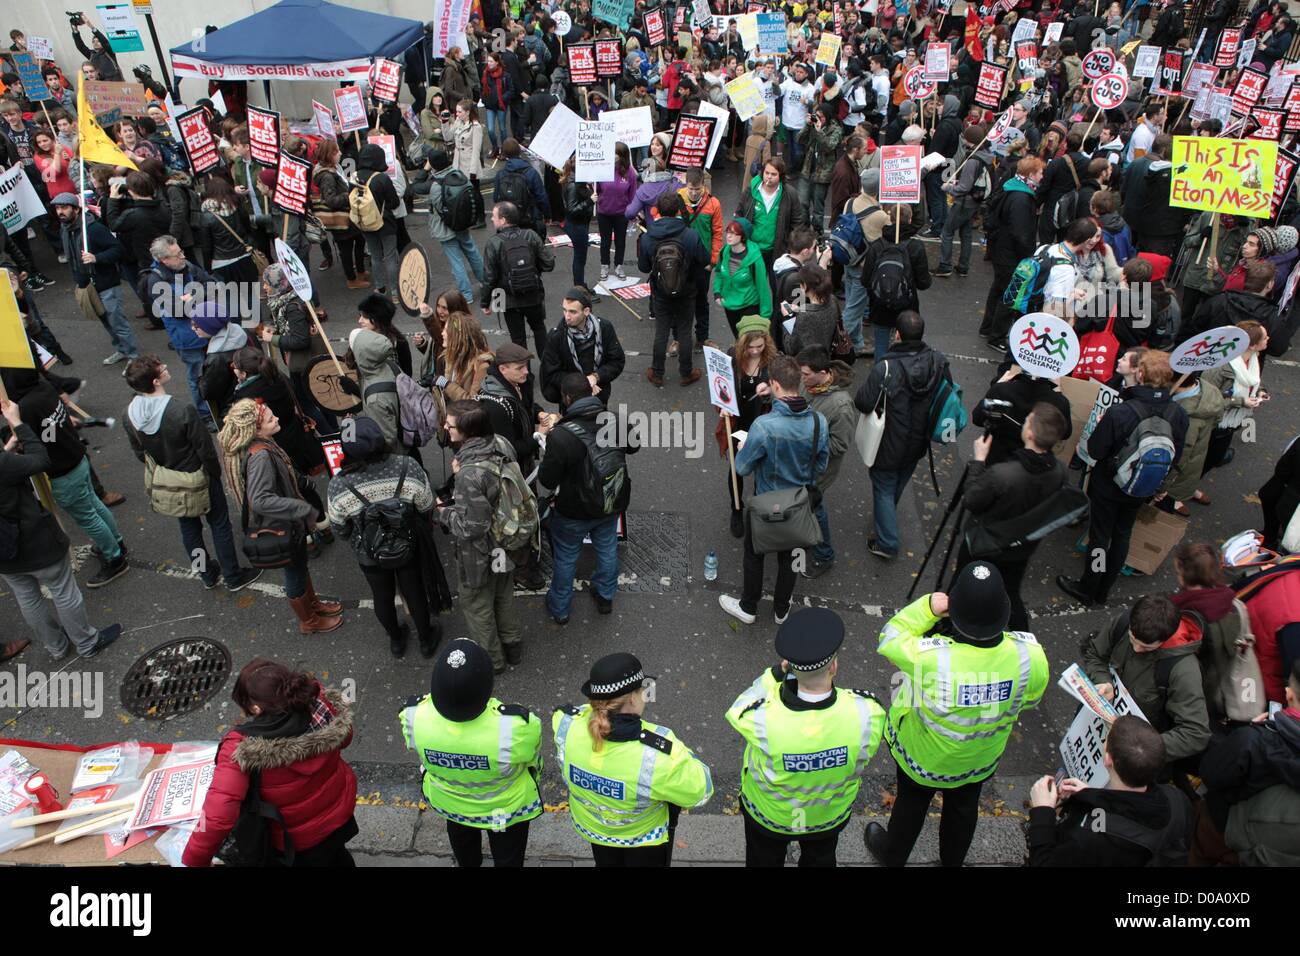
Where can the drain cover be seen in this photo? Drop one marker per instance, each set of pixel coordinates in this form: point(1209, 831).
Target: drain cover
point(175, 678)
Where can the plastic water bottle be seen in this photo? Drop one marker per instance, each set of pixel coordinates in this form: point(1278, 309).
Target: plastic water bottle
point(711, 566)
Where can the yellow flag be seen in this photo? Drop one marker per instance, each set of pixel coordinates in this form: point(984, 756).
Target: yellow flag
point(96, 147)
point(14, 350)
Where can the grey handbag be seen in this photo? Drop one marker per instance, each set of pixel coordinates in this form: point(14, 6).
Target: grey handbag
point(785, 519)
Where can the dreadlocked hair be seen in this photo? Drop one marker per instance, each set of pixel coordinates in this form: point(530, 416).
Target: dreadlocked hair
point(237, 433)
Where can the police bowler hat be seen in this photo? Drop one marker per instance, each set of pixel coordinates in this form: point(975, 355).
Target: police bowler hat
point(613, 676)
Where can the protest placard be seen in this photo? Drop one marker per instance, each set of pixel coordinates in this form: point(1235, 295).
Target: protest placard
point(1082, 746)
point(656, 27)
point(19, 203)
point(900, 174)
point(264, 136)
point(451, 17)
point(388, 144)
point(1247, 54)
point(582, 64)
point(1283, 177)
point(1209, 350)
point(294, 270)
point(292, 182)
point(120, 27)
point(324, 119)
point(634, 126)
point(1098, 63)
point(1053, 34)
point(594, 162)
point(720, 117)
point(617, 13)
point(40, 47)
point(609, 59)
point(1027, 56)
point(828, 51)
point(746, 96)
point(554, 141)
point(1109, 91)
point(1270, 123)
point(747, 25)
point(351, 107)
point(701, 13)
point(679, 26)
point(29, 72)
point(1044, 345)
point(1279, 85)
point(915, 85)
point(722, 380)
point(386, 80)
point(172, 795)
point(1221, 106)
point(1199, 77)
point(691, 142)
point(1229, 46)
point(1026, 28)
point(1223, 175)
point(1249, 88)
point(988, 90)
point(772, 37)
point(1169, 78)
point(1292, 106)
point(938, 62)
point(110, 101)
point(1089, 399)
point(1147, 62)
point(196, 136)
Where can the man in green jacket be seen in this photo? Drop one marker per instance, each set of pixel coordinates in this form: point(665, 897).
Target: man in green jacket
point(1153, 651)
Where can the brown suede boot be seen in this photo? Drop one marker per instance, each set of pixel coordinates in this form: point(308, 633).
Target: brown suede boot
point(309, 620)
point(325, 608)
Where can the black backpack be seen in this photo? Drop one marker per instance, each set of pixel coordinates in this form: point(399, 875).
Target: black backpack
point(605, 485)
point(513, 187)
point(456, 207)
point(519, 264)
point(249, 841)
point(387, 528)
point(890, 283)
point(669, 271)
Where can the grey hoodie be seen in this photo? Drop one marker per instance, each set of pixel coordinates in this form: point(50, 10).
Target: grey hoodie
point(146, 412)
point(373, 353)
point(231, 338)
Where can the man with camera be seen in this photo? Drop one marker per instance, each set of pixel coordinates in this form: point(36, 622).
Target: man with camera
point(101, 56)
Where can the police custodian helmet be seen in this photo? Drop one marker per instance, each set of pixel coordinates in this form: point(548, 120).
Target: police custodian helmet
point(462, 680)
point(978, 604)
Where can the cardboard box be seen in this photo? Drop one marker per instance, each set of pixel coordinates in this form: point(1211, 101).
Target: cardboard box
point(1155, 534)
point(1082, 396)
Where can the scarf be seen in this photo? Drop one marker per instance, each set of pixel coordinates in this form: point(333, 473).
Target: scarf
point(797, 404)
point(278, 306)
point(582, 336)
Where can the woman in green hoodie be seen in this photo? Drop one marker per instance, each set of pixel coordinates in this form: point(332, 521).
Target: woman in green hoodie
point(740, 280)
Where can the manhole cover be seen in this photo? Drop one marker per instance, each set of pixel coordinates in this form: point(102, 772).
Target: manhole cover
point(175, 678)
point(653, 559)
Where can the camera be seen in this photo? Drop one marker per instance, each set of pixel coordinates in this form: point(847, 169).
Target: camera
point(142, 73)
point(76, 19)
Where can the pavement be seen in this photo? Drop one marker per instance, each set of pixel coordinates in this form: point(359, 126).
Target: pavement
point(665, 611)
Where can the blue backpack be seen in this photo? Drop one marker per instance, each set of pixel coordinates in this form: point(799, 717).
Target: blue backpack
point(1121, 243)
point(848, 242)
point(1024, 293)
point(1144, 462)
point(947, 412)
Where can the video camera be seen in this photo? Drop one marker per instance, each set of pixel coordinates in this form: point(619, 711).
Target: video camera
point(76, 19)
point(142, 73)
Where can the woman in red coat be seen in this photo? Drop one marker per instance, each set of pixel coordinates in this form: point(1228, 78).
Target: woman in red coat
point(293, 737)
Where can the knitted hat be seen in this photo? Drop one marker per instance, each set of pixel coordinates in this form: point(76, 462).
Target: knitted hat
point(913, 134)
point(1267, 237)
point(377, 308)
point(746, 228)
point(752, 323)
point(1287, 237)
point(209, 317)
point(276, 278)
point(1061, 129)
point(870, 179)
point(367, 438)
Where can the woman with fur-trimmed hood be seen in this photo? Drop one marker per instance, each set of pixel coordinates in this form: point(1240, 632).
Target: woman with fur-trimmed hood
point(292, 740)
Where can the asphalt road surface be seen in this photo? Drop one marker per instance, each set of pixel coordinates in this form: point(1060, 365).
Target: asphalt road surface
point(665, 612)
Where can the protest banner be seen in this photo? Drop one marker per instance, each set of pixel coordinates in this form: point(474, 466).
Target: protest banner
point(595, 151)
point(324, 119)
point(172, 795)
point(15, 351)
point(1249, 88)
point(1098, 63)
point(582, 64)
point(29, 72)
point(828, 51)
point(1229, 45)
point(746, 96)
point(450, 18)
point(1209, 350)
point(121, 28)
point(1283, 177)
point(1169, 79)
point(351, 107)
point(633, 126)
point(915, 85)
point(1027, 56)
point(938, 62)
point(1108, 91)
point(40, 47)
point(1044, 346)
point(988, 89)
point(292, 183)
point(1146, 62)
point(19, 202)
point(1223, 175)
point(554, 141)
point(691, 142)
point(772, 37)
point(900, 174)
point(386, 80)
point(617, 13)
point(609, 59)
point(264, 136)
point(1199, 77)
point(110, 101)
point(196, 136)
point(1270, 123)
point(656, 28)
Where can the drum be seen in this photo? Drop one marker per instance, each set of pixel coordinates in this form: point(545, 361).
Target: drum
point(323, 382)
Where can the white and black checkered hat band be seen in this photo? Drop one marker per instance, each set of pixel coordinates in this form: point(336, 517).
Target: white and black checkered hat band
point(812, 667)
point(633, 680)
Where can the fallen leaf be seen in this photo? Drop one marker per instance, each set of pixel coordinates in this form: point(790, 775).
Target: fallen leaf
point(244, 601)
point(1251, 499)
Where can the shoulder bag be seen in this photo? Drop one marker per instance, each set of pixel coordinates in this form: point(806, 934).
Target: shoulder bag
point(784, 519)
point(274, 546)
point(871, 427)
point(176, 494)
point(259, 261)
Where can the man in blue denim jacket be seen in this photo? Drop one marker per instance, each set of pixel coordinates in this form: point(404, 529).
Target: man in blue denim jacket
point(778, 452)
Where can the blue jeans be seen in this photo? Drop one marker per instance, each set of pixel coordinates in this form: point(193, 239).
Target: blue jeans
point(296, 575)
point(823, 553)
point(461, 250)
point(218, 517)
point(578, 232)
point(75, 495)
point(796, 150)
point(193, 359)
point(119, 330)
point(496, 126)
point(936, 200)
point(880, 336)
point(960, 221)
point(856, 305)
point(566, 545)
point(886, 491)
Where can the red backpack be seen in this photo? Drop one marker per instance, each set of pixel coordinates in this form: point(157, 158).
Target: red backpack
point(1098, 353)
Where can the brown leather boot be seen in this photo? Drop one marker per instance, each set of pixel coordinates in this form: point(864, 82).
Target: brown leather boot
point(326, 608)
point(309, 620)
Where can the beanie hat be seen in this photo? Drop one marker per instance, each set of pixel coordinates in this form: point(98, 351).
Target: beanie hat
point(209, 317)
point(1267, 237)
point(276, 278)
point(871, 181)
point(913, 134)
point(752, 323)
point(367, 438)
point(744, 225)
point(1287, 237)
point(377, 308)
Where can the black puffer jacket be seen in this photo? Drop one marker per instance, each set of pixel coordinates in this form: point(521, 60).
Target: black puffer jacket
point(1004, 422)
point(138, 222)
point(909, 375)
point(1070, 841)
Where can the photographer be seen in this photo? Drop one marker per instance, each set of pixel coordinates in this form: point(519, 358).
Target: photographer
point(1007, 404)
point(101, 57)
point(145, 76)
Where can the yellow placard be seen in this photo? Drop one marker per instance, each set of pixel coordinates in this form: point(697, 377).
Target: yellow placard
point(1223, 175)
point(746, 96)
point(1128, 48)
point(828, 51)
point(14, 350)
